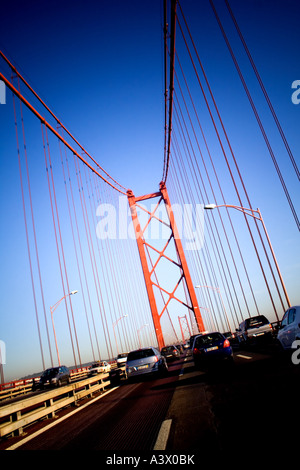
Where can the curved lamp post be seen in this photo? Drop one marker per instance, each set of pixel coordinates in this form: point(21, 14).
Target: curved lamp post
point(255, 214)
point(52, 309)
point(217, 289)
point(114, 324)
point(138, 333)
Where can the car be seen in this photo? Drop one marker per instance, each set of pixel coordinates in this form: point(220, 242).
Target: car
point(211, 347)
point(145, 361)
point(191, 340)
point(99, 367)
point(233, 339)
point(55, 376)
point(179, 346)
point(254, 329)
point(170, 352)
point(121, 359)
point(289, 329)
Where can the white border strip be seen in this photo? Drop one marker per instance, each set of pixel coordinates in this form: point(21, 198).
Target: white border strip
point(59, 420)
point(163, 435)
point(244, 357)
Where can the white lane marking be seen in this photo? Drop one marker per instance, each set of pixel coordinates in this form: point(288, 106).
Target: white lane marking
point(244, 357)
point(163, 435)
point(59, 420)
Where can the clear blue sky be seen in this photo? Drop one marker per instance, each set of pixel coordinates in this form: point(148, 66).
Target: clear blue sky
point(99, 67)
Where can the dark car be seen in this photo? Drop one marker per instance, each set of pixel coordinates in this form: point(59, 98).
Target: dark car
point(254, 329)
point(211, 347)
point(55, 376)
point(191, 340)
point(170, 352)
point(179, 346)
point(233, 339)
point(145, 361)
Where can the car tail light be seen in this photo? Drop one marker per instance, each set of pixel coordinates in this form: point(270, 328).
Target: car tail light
point(196, 351)
point(155, 359)
point(226, 344)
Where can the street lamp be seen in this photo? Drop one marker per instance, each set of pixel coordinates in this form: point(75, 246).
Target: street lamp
point(114, 324)
point(138, 333)
point(218, 290)
point(251, 213)
point(52, 309)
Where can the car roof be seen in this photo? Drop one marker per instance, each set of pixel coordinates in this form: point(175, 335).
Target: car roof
point(143, 349)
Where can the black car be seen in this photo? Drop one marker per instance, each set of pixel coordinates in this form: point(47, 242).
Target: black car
point(55, 376)
point(170, 352)
point(211, 348)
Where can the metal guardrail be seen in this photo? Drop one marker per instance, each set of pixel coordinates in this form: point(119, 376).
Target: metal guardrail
point(19, 387)
point(15, 416)
point(22, 386)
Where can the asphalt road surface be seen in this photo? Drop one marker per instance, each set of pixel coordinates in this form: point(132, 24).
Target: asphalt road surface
point(252, 406)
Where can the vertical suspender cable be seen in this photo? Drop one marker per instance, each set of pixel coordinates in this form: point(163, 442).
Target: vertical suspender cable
point(264, 91)
point(224, 153)
point(27, 235)
point(257, 118)
point(34, 230)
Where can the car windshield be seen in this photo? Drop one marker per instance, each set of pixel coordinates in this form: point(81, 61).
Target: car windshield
point(168, 349)
point(204, 340)
point(140, 354)
point(50, 372)
point(255, 322)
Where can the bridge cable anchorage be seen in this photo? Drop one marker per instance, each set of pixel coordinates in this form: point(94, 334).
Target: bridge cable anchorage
point(259, 121)
point(46, 123)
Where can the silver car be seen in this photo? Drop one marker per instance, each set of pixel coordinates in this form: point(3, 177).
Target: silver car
point(145, 361)
point(254, 329)
point(289, 330)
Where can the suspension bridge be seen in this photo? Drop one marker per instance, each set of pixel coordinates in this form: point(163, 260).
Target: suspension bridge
point(148, 268)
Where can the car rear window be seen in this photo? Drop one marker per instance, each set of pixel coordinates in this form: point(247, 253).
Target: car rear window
point(168, 349)
point(207, 339)
point(140, 354)
point(255, 322)
point(50, 372)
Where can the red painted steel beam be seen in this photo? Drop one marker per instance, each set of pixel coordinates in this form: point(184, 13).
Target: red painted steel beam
point(148, 282)
point(181, 264)
point(184, 266)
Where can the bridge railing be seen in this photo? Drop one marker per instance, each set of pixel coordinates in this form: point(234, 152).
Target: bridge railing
point(15, 416)
point(23, 386)
point(19, 387)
